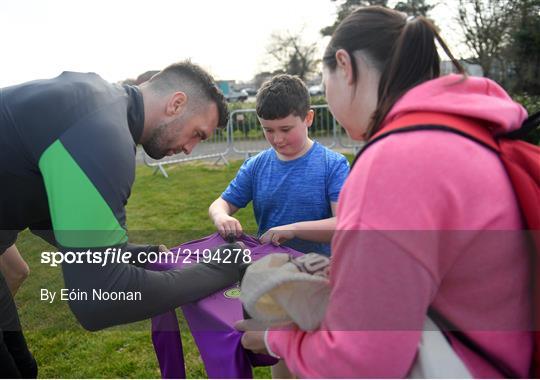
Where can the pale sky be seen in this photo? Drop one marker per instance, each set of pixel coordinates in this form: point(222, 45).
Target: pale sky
point(120, 39)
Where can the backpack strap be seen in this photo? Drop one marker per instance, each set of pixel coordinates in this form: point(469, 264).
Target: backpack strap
point(448, 328)
point(472, 129)
point(532, 122)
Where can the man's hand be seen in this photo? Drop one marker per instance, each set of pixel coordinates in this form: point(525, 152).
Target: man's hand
point(278, 235)
point(253, 338)
point(14, 268)
point(227, 225)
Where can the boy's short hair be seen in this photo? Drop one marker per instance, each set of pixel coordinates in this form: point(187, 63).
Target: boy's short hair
point(281, 96)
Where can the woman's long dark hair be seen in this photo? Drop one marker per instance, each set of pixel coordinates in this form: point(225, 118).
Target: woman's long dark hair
point(402, 49)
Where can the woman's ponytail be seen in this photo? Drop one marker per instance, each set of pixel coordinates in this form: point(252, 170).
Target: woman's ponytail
point(402, 49)
point(413, 61)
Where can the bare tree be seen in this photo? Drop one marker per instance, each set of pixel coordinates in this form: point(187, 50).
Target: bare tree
point(141, 78)
point(345, 8)
point(415, 7)
point(486, 25)
point(263, 76)
point(292, 55)
point(524, 48)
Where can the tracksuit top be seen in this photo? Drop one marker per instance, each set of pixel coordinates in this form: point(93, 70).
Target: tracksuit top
point(68, 143)
point(67, 164)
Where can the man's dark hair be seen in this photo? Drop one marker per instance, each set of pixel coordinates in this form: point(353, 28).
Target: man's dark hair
point(196, 83)
point(281, 96)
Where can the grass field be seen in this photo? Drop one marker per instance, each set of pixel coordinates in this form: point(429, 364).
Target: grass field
point(165, 209)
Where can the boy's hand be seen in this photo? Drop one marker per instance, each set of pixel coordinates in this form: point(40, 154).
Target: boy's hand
point(253, 338)
point(227, 225)
point(278, 235)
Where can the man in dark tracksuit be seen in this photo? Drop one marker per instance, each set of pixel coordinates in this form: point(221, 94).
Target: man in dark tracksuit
point(67, 164)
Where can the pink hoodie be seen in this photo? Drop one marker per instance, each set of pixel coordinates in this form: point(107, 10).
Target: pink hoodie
point(426, 218)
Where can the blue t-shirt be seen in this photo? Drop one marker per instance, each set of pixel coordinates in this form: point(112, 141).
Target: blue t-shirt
point(285, 192)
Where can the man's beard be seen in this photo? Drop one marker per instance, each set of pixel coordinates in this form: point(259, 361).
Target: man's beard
point(155, 146)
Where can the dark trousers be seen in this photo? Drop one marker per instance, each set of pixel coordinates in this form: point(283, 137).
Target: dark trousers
point(16, 361)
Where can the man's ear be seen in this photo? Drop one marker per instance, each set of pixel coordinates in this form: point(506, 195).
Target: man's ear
point(309, 118)
point(176, 103)
point(345, 65)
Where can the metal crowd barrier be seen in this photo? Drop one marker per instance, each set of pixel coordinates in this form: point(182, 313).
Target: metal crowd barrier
point(324, 126)
point(217, 147)
point(345, 141)
point(244, 135)
point(247, 135)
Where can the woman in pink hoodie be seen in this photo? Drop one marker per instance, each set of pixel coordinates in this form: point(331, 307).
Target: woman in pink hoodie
point(427, 220)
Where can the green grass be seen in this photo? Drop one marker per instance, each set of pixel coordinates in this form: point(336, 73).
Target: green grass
point(160, 211)
point(167, 211)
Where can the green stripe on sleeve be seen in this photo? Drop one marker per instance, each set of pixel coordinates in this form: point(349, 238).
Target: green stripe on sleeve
point(80, 215)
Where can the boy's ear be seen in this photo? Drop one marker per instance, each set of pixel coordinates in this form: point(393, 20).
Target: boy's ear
point(309, 118)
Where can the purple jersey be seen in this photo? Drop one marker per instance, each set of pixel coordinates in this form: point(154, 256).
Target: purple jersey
point(210, 320)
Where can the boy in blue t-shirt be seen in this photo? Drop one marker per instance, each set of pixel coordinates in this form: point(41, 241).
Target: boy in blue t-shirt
point(295, 184)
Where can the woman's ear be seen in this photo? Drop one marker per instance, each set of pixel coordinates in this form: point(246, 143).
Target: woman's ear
point(344, 63)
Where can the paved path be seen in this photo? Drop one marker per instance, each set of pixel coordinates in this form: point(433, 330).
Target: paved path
point(210, 148)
